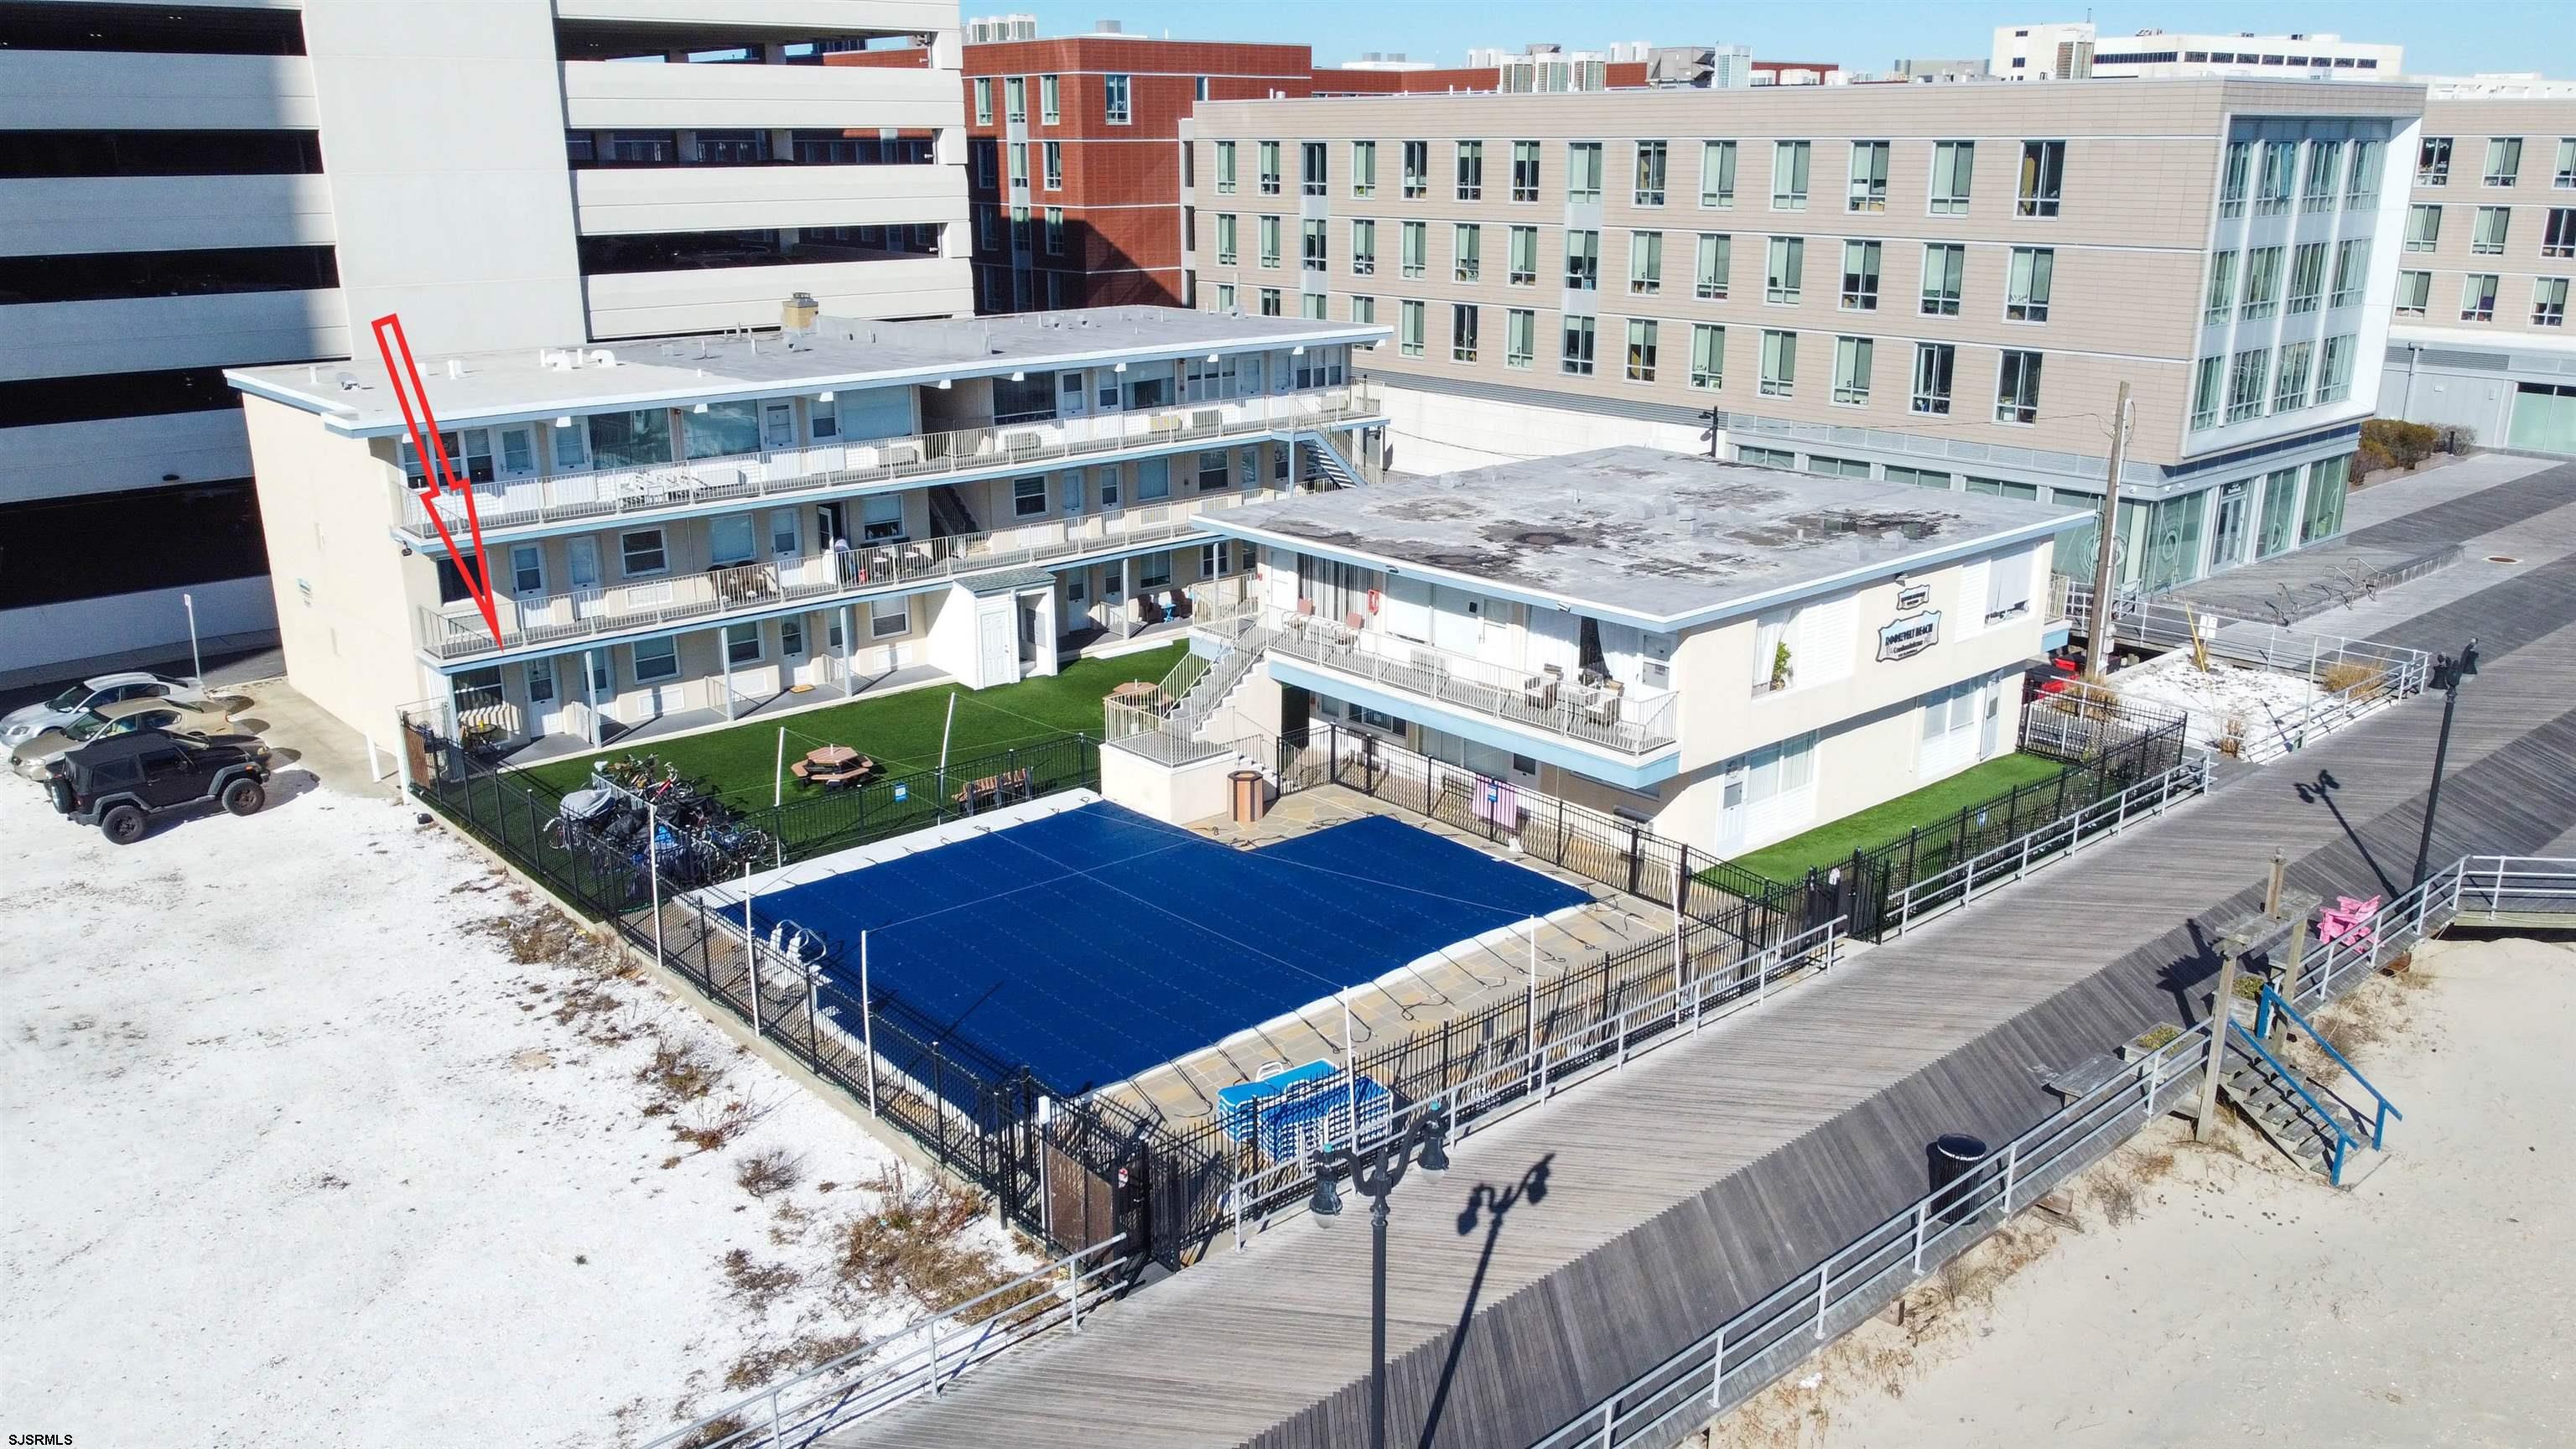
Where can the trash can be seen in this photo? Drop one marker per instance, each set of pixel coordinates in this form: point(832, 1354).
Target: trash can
point(1956, 1159)
point(1249, 798)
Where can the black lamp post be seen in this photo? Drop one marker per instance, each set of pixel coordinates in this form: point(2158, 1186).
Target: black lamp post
point(1715, 418)
point(2448, 673)
point(1376, 1172)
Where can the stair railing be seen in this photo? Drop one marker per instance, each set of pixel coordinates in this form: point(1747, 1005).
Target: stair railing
point(2271, 1001)
point(2344, 1140)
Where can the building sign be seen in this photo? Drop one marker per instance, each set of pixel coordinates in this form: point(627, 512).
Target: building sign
point(1913, 597)
point(1909, 635)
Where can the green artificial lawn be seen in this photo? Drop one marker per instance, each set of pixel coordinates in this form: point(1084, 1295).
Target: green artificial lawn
point(899, 731)
point(1831, 844)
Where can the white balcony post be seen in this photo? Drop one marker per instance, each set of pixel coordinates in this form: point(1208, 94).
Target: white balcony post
point(850, 648)
point(590, 683)
point(724, 657)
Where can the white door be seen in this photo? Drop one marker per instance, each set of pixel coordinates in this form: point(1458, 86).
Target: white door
point(1455, 620)
point(581, 567)
point(1730, 815)
point(517, 457)
point(528, 583)
point(1990, 727)
point(545, 698)
point(1000, 658)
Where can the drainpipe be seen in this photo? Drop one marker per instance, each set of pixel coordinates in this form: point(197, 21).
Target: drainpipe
point(2414, 350)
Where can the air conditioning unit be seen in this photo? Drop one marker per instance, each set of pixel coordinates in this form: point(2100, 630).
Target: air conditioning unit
point(1165, 423)
point(1018, 442)
point(902, 454)
point(1207, 418)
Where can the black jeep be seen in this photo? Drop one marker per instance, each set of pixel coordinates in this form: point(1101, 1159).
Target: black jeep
point(118, 784)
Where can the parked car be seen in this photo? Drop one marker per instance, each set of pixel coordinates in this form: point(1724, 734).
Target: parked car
point(30, 757)
point(120, 783)
point(20, 725)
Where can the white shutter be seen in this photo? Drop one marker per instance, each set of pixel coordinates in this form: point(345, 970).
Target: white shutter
point(1408, 608)
point(1827, 639)
point(1971, 607)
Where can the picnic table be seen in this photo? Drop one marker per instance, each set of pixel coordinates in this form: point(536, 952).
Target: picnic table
point(833, 765)
point(1140, 693)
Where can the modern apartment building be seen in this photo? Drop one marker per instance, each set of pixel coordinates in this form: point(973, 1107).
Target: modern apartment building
point(1727, 653)
point(2481, 338)
point(2075, 50)
point(1940, 287)
point(187, 187)
point(684, 529)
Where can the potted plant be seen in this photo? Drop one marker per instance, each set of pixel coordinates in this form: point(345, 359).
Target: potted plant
point(1780, 666)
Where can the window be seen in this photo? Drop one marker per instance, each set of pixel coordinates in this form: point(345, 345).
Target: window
point(1782, 283)
point(642, 552)
point(2558, 233)
point(1789, 175)
point(1108, 480)
point(1520, 337)
point(1198, 88)
point(2307, 277)
point(1364, 309)
point(1860, 276)
point(1055, 231)
point(1416, 238)
point(1408, 338)
point(2043, 173)
point(1575, 349)
point(1226, 234)
point(1049, 112)
point(1950, 711)
point(1583, 171)
point(1716, 260)
point(1933, 364)
point(1270, 241)
point(1524, 171)
point(1708, 355)
point(889, 617)
point(1868, 177)
point(2318, 191)
point(2235, 175)
point(2423, 227)
point(2414, 293)
point(2204, 391)
point(1073, 491)
point(2486, 238)
point(1113, 95)
point(1153, 480)
point(1463, 328)
point(2262, 282)
point(1215, 559)
point(1779, 364)
point(1270, 302)
point(983, 100)
point(1781, 769)
point(1225, 168)
point(1717, 174)
point(1466, 252)
point(1417, 170)
point(1313, 178)
point(2290, 383)
point(1015, 95)
point(1753, 457)
point(2361, 183)
point(2017, 388)
point(2433, 161)
point(2549, 301)
point(2324, 513)
point(2026, 294)
point(1028, 497)
point(1019, 174)
point(2563, 175)
point(1363, 247)
point(631, 440)
point(1851, 370)
point(2351, 273)
point(656, 659)
point(2334, 377)
point(1471, 171)
point(1524, 257)
point(1269, 167)
point(1055, 166)
point(1213, 471)
point(2478, 297)
point(1641, 350)
point(1312, 247)
point(1649, 189)
point(2504, 160)
point(1953, 167)
point(2272, 187)
point(2245, 377)
point(822, 419)
point(1918, 477)
point(1363, 168)
point(881, 519)
point(1645, 263)
point(1583, 260)
point(742, 643)
point(1945, 267)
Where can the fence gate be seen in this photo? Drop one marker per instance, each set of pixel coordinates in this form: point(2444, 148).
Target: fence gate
point(1081, 1203)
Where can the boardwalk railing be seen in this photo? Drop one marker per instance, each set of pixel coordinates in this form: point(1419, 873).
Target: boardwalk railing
point(2477, 890)
point(917, 1359)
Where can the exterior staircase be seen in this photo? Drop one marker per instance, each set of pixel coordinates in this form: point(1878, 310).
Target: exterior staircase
point(2310, 1123)
point(1325, 464)
point(949, 515)
point(1216, 687)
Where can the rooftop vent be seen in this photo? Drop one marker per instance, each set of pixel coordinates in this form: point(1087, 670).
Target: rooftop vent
point(348, 381)
point(1108, 27)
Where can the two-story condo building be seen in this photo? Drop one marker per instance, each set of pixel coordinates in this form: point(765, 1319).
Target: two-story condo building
point(1937, 286)
point(1730, 653)
point(682, 529)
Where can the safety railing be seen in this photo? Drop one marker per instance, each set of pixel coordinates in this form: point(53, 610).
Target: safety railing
point(1763, 1341)
point(1626, 719)
point(1919, 900)
point(919, 1358)
point(2268, 1003)
point(623, 493)
point(2480, 888)
point(2496, 888)
point(2375, 690)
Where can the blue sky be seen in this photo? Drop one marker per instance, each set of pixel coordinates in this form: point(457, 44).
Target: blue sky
point(2455, 38)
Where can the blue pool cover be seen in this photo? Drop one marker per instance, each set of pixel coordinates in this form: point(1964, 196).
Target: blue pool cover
point(1094, 944)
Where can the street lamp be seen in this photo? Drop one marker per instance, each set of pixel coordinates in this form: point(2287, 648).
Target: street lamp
point(1375, 1172)
point(2448, 673)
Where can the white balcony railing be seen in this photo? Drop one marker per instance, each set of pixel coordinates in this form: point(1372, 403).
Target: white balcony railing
point(1628, 719)
point(457, 631)
point(789, 472)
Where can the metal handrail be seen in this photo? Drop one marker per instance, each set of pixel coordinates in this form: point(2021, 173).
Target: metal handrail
point(2269, 1000)
point(2010, 861)
point(2344, 1140)
point(626, 493)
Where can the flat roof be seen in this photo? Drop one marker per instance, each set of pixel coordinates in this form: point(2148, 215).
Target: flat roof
point(1665, 540)
point(528, 383)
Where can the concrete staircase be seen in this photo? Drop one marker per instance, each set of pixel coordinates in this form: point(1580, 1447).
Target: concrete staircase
point(1215, 688)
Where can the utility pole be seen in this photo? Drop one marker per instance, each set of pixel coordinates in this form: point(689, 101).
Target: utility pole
point(1711, 417)
point(2098, 628)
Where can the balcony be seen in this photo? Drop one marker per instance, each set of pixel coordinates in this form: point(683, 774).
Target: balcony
point(551, 621)
point(1630, 722)
point(707, 484)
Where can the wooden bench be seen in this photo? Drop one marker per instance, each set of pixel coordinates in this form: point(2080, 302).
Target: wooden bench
point(993, 790)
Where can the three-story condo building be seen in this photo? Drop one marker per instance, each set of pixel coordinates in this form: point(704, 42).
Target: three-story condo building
point(683, 529)
point(1730, 653)
point(1941, 287)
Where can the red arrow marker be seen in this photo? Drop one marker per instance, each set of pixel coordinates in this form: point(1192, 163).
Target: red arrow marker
point(478, 579)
